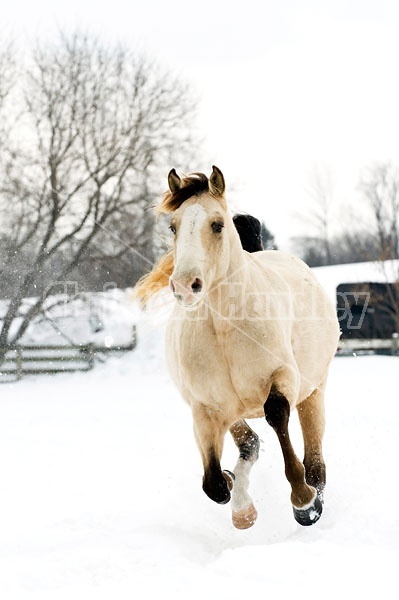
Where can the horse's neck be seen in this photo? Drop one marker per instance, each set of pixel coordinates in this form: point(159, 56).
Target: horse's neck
point(237, 273)
point(228, 295)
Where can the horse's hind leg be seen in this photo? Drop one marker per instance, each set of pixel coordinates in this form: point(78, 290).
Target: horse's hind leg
point(305, 501)
point(247, 441)
point(311, 417)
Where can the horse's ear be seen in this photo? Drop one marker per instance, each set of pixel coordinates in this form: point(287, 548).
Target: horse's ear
point(174, 181)
point(216, 182)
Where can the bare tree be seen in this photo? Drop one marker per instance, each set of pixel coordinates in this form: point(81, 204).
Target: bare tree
point(317, 246)
point(380, 186)
point(97, 124)
point(7, 81)
point(348, 246)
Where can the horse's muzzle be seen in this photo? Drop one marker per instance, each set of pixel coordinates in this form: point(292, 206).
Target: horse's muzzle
point(188, 290)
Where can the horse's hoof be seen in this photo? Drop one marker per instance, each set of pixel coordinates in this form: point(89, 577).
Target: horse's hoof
point(245, 518)
point(309, 515)
point(230, 478)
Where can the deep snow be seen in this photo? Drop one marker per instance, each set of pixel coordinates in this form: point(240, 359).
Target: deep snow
point(100, 491)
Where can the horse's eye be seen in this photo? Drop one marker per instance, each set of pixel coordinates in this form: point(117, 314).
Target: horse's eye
point(217, 227)
point(173, 229)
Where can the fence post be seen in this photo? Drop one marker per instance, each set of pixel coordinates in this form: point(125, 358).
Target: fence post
point(19, 362)
point(90, 355)
point(395, 344)
point(134, 336)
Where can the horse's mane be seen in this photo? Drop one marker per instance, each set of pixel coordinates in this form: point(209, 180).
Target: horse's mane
point(156, 279)
point(192, 185)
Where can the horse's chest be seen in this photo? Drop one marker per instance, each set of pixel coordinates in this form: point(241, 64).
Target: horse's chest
point(224, 368)
point(204, 361)
point(248, 374)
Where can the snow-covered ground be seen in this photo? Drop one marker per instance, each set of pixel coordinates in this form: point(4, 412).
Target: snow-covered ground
point(100, 491)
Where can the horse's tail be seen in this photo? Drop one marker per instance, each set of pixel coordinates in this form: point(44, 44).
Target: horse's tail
point(156, 279)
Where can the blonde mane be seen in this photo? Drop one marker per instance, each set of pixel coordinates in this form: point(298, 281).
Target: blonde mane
point(156, 279)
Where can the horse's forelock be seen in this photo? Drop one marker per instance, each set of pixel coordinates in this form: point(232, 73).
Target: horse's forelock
point(192, 185)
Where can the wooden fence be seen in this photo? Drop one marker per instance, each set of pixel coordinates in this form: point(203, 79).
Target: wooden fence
point(349, 347)
point(23, 360)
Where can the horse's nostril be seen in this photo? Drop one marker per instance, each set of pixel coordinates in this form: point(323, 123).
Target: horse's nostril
point(172, 285)
point(196, 286)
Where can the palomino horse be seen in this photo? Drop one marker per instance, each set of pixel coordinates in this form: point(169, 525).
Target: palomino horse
point(250, 335)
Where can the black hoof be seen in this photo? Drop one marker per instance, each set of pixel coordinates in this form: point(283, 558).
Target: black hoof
point(309, 516)
point(217, 489)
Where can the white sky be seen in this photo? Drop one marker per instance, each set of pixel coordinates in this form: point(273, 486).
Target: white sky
point(283, 85)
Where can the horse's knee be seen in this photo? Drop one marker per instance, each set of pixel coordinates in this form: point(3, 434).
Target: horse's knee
point(277, 410)
point(249, 450)
point(246, 440)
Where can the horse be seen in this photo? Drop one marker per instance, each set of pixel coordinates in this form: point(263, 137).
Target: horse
point(250, 335)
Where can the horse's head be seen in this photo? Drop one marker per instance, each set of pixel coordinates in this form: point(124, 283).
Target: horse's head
point(201, 226)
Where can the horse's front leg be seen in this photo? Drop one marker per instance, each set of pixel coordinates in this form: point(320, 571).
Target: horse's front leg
point(210, 428)
point(247, 441)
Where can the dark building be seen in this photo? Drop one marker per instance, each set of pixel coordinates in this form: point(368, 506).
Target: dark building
point(368, 310)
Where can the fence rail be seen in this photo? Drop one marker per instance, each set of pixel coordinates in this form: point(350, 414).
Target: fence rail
point(369, 346)
point(24, 359)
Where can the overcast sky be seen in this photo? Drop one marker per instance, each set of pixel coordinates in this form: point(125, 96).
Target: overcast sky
point(283, 85)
